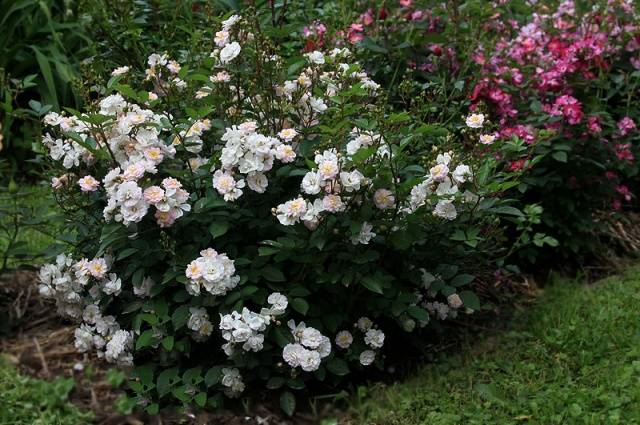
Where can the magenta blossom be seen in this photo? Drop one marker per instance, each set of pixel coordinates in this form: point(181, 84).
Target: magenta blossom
point(626, 125)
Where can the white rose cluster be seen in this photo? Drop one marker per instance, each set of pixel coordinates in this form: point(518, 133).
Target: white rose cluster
point(78, 287)
point(199, 323)
point(243, 328)
point(224, 39)
point(251, 154)
point(332, 183)
point(373, 339)
point(130, 136)
point(308, 349)
point(442, 183)
point(247, 327)
point(232, 379)
point(212, 271)
point(128, 203)
point(103, 334)
point(66, 281)
point(164, 73)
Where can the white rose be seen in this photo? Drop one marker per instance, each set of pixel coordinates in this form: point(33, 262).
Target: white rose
point(229, 52)
point(367, 357)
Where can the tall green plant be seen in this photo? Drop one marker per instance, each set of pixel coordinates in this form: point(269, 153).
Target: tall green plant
point(41, 45)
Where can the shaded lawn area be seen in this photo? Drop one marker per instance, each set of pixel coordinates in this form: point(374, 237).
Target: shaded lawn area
point(33, 401)
point(574, 358)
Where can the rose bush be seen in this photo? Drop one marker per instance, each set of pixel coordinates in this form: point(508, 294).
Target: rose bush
point(558, 80)
point(243, 220)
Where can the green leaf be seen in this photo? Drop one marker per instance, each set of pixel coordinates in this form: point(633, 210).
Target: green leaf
point(218, 228)
point(47, 75)
point(164, 381)
point(126, 253)
point(372, 284)
point(201, 399)
point(559, 156)
point(507, 210)
point(288, 403)
point(167, 342)
point(213, 376)
point(145, 339)
point(272, 274)
point(338, 367)
point(462, 279)
point(180, 316)
point(275, 382)
point(470, 300)
point(267, 250)
point(418, 313)
point(300, 305)
point(369, 44)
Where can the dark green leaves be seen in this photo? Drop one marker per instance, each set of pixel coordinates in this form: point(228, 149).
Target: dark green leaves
point(218, 228)
point(338, 367)
point(300, 305)
point(288, 403)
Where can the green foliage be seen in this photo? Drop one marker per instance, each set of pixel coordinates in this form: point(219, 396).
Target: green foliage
point(432, 241)
point(41, 43)
point(29, 401)
point(27, 225)
point(572, 359)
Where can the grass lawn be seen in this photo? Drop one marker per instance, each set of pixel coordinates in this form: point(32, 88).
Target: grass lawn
point(36, 402)
point(574, 358)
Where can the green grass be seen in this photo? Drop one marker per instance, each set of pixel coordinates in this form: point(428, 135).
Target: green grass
point(36, 402)
point(574, 358)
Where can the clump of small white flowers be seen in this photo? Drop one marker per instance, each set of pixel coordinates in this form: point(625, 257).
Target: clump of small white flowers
point(212, 271)
point(278, 305)
point(66, 282)
point(441, 187)
point(315, 57)
point(144, 289)
point(117, 349)
point(441, 310)
point(58, 281)
point(475, 120)
point(364, 236)
point(232, 379)
point(104, 334)
point(292, 211)
point(243, 328)
point(454, 301)
point(308, 349)
point(331, 182)
point(374, 338)
point(251, 154)
point(364, 323)
point(199, 323)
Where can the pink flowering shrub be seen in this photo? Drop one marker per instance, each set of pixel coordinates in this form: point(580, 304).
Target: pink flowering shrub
point(562, 82)
point(244, 221)
point(558, 81)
